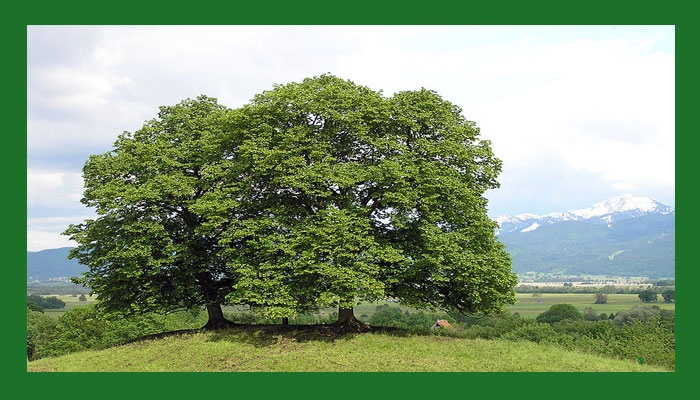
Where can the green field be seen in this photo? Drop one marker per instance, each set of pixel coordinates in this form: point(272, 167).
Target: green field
point(256, 349)
point(71, 303)
point(529, 307)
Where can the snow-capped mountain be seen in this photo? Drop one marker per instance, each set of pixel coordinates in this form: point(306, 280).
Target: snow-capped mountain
point(608, 211)
point(625, 235)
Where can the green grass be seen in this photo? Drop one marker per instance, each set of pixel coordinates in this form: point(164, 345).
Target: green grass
point(270, 349)
point(528, 306)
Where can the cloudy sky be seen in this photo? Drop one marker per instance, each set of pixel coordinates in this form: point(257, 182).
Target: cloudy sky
point(577, 114)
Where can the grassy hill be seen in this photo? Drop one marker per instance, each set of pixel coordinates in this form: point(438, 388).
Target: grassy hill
point(315, 349)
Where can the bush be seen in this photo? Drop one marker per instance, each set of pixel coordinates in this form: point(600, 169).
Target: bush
point(87, 327)
point(590, 315)
point(648, 296)
point(636, 313)
point(39, 330)
point(669, 295)
point(35, 307)
point(600, 298)
point(52, 302)
point(559, 312)
point(388, 316)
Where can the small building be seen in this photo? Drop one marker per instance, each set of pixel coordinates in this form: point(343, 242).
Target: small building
point(441, 323)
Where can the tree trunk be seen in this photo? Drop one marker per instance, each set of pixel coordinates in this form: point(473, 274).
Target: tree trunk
point(209, 292)
point(347, 320)
point(216, 317)
point(285, 320)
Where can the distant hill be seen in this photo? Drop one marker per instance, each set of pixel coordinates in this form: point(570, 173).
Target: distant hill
point(51, 264)
point(623, 236)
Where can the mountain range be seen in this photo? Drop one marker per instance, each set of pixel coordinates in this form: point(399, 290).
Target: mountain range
point(622, 236)
point(52, 264)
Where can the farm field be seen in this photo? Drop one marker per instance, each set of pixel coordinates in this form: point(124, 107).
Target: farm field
point(529, 307)
point(71, 303)
point(255, 349)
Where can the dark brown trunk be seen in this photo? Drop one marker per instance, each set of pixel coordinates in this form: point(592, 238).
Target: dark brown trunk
point(347, 320)
point(216, 314)
point(216, 317)
point(285, 321)
point(345, 315)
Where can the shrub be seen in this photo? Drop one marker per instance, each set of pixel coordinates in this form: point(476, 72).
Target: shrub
point(669, 295)
point(638, 313)
point(87, 327)
point(600, 298)
point(589, 314)
point(559, 312)
point(648, 296)
point(389, 316)
point(39, 330)
point(52, 302)
point(35, 307)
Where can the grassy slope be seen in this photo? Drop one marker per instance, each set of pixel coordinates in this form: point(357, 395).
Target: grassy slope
point(255, 349)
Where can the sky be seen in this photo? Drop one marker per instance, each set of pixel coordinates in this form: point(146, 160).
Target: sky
point(577, 114)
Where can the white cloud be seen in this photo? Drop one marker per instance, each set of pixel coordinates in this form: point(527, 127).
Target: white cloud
point(596, 103)
point(39, 240)
point(53, 189)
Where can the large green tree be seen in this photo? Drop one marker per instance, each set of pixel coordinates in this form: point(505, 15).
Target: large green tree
point(316, 193)
point(360, 197)
point(152, 246)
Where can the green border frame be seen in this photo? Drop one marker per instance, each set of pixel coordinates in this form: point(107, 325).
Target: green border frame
point(571, 385)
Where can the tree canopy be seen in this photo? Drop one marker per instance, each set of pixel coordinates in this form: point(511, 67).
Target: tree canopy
point(559, 312)
point(149, 248)
point(648, 295)
point(315, 193)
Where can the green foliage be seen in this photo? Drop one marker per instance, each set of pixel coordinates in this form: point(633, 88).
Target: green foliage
point(316, 193)
point(589, 314)
point(34, 307)
point(364, 197)
point(639, 313)
point(648, 296)
point(394, 317)
point(669, 295)
point(559, 312)
point(151, 247)
point(388, 317)
point(51, 302)
point(653, 339)
point(82, 298)
point(87, 327)
point(39, 330)
point(601, 298)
